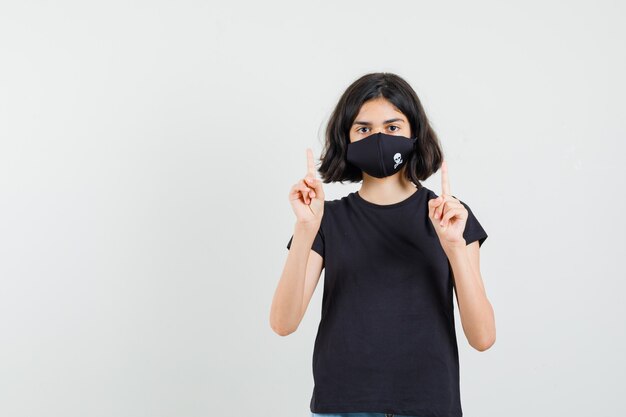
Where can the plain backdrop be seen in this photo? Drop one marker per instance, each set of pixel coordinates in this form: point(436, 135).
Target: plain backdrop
point(146, 154)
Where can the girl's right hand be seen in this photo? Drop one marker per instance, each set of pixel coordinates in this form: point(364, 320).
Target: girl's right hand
point(307, 196)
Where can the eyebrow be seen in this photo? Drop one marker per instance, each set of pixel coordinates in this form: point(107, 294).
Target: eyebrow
point(360, 122)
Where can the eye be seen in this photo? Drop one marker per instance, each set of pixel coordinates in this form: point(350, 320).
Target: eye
point(359, 129)
point(395, 127)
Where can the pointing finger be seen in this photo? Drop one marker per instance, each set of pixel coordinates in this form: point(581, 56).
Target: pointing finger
point(310, 163)
point(445, 184)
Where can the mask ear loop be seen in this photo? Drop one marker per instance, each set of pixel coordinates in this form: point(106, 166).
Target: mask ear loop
point(415, 147)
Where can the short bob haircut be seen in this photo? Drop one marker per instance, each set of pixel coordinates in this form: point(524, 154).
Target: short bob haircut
point(422, 163)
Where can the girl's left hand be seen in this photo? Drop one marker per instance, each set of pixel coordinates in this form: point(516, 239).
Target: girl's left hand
point(447, 214)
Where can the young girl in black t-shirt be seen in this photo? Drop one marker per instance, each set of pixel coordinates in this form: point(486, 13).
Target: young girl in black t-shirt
point(394, 252)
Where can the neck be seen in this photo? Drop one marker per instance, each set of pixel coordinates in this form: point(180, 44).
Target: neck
point(387, 190)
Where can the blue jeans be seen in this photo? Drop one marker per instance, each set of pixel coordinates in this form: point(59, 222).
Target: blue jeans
point(358, 415)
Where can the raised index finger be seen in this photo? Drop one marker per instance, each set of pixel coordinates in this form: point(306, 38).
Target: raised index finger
point(310, 163)
point(445, 184)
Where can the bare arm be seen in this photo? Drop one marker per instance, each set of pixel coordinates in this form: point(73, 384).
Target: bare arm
point(449, 217)
point(477, 316)
point(298, 281)
point(303, 266)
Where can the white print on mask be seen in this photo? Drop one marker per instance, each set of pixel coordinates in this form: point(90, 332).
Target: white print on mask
point(398, 158)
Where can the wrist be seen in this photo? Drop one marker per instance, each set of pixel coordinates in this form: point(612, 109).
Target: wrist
point(307, 226)
point(455, 247)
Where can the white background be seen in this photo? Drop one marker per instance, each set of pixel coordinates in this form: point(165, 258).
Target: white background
point(146, 154)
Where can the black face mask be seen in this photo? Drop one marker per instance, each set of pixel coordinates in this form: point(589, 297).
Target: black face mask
point(380, 155)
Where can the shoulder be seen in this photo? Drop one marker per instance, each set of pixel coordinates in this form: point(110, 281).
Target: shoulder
point(337, 207)
point(330, 207)
point(427, 195)
point(338, 202)
point(428, 192)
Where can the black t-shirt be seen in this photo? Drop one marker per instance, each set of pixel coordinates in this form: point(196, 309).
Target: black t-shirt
point(386, 341)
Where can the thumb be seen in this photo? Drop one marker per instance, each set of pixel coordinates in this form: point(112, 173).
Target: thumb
point(316, 185)
point(433, 203)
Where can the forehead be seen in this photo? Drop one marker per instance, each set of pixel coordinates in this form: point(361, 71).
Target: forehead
point(378, 110)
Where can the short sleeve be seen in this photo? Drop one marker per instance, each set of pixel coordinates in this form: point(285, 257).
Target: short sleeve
point(473, 229)
point(318, 242)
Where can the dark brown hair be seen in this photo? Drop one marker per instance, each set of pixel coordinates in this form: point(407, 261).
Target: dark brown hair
point(422, 163)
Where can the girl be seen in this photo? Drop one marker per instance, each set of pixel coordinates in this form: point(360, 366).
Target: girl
point(393, 253)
